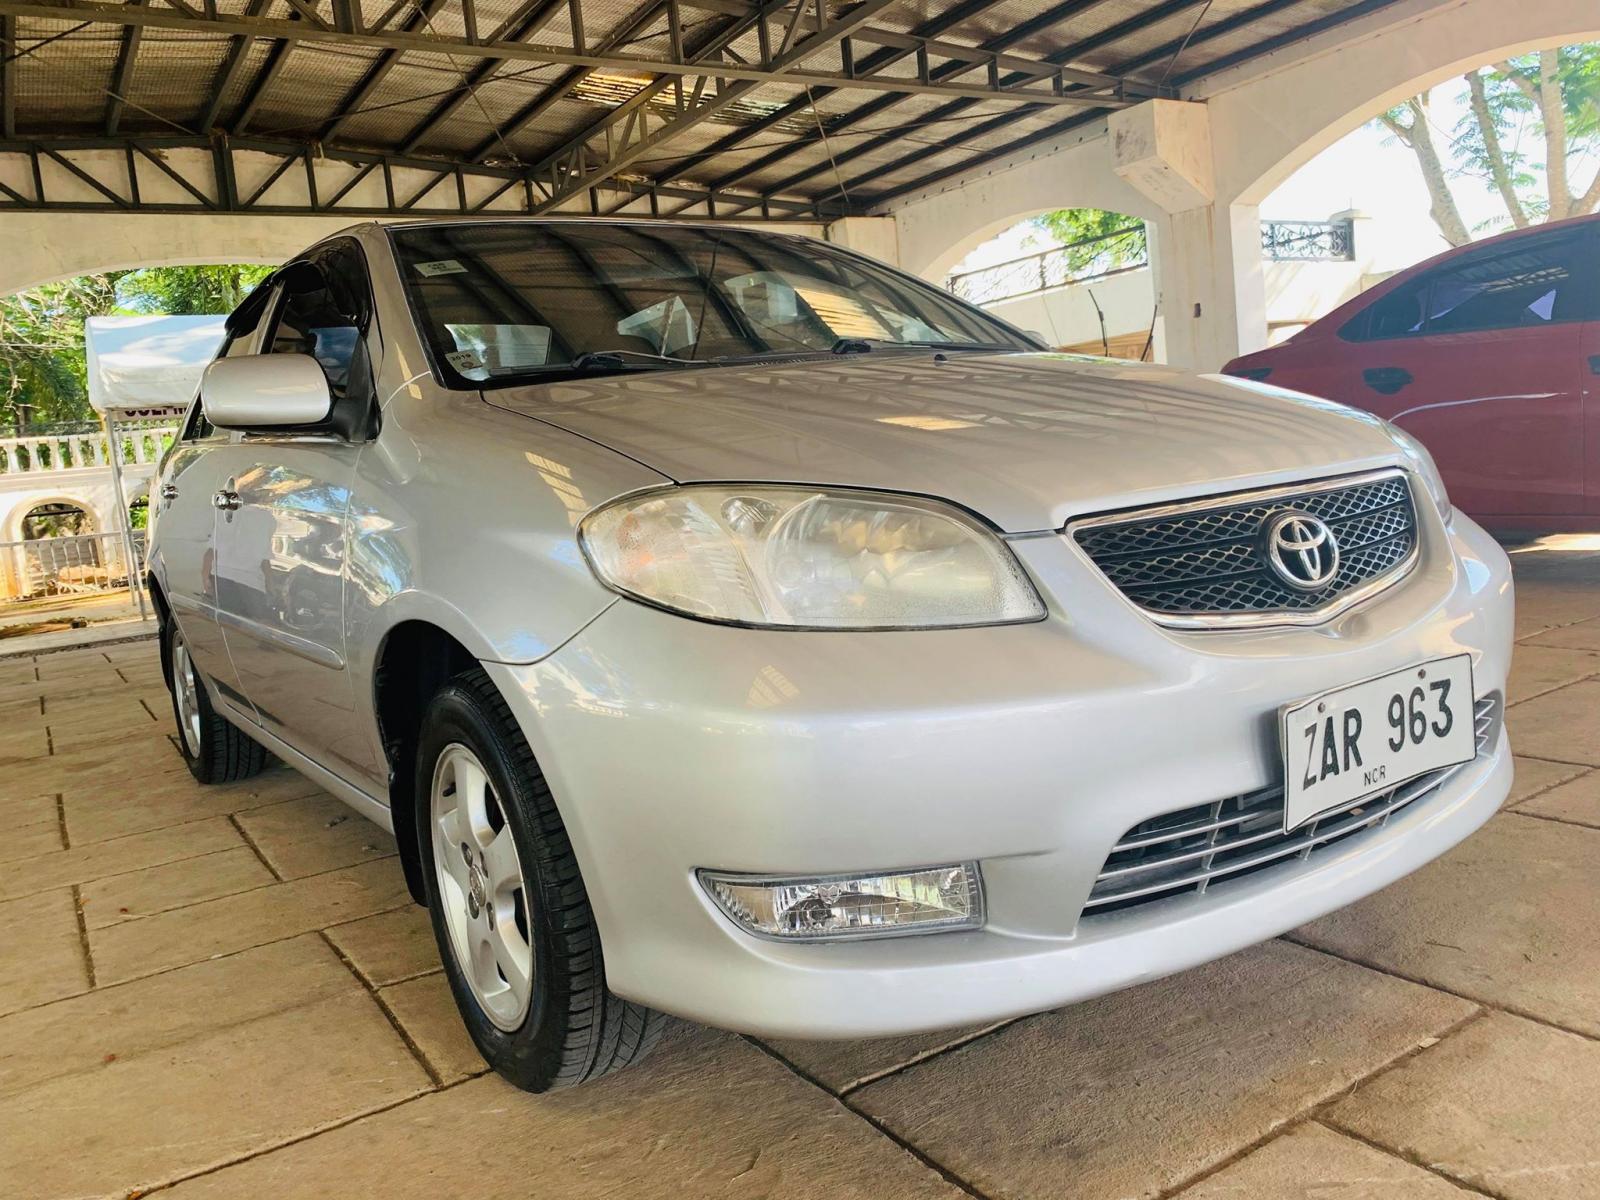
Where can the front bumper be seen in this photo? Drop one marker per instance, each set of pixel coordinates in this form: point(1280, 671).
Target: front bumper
point(672, 745)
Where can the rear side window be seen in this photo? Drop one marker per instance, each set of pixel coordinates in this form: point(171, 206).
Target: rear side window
point(1526, 282)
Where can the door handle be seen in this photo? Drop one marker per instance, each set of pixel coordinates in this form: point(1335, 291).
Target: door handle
point(169, 491)
point(1386, 380)
point(225, 500)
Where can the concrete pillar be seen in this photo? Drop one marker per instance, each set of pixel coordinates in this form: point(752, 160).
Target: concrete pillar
point(876, 237)
point(1206, 255)
point(1210, 284)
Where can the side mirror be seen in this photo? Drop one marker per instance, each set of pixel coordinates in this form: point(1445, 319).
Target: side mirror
point(265, 391)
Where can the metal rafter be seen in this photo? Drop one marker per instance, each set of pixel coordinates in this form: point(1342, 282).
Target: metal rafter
point(1053, 15)
point(298, 29)
point(378, 72)
point(920, 39)
point(570, 164)
point(638, 20)
point(122, 75)
point(1149, 58)
point(209, 176)
point(523, 24)
point(1067, 54)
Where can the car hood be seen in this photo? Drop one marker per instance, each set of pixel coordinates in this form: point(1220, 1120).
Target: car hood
point(1026, 440)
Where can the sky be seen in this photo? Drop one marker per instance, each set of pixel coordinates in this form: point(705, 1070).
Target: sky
point(1368, 170)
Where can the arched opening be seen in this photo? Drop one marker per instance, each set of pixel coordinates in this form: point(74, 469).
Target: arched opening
point(55, 519)
point(1076, 277)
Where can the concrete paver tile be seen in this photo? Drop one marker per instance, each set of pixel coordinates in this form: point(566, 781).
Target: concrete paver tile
point(30, 841)
point(390, 946)
point(144, 1121)
point(87, 1031)
point(1504, 1104)
point(1583, 635)
point(1313, 1162)
point(708, 1115)
point(136, 894)
point(103, 812)
point(1133, 1093)
point(1563, 725)
point(96, 860)
point(231, 923)
point(41, 951)
point(427, 1012)
point(1508, 917)
point(1577, 801)
point(1537, 668)
point(840, 1066)
point(20, 811)
point(314, 834)
point(1535, 775)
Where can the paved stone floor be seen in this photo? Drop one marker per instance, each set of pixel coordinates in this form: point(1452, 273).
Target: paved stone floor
point(225, 992)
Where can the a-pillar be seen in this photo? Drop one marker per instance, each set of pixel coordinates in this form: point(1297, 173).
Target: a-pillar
point(1206, 256)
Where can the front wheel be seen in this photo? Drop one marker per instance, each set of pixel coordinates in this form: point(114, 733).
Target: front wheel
point(215, 750)
point(508, 905)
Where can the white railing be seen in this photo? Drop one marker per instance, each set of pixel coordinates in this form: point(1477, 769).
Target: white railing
point(70, 451)
point(72, 565)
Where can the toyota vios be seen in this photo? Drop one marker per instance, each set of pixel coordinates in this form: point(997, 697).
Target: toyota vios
point(728, 625)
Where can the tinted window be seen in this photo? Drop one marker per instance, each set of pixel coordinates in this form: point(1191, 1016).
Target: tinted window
point(518, 300)
point(323, 313)
point(1526, 282)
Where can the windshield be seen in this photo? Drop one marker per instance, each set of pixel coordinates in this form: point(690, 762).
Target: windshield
point(514, 301)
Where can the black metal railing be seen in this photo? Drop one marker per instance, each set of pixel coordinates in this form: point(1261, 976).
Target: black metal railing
point(1076, 262)
point(1308, 241)
point(1128, 249)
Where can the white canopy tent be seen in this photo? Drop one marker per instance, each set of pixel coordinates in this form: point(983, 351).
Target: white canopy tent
point(143, 369)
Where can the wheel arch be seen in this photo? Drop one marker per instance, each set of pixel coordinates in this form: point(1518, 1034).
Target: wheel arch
point(415, 658)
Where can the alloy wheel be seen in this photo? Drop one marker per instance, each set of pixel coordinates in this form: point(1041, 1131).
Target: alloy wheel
point(481, 887)
point(186, 689)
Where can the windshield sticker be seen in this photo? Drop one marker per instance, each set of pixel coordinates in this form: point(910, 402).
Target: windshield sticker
point(443, 266)
point(464, 360)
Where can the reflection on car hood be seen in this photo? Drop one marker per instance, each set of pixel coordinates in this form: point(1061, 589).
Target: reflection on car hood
point(1026, 440)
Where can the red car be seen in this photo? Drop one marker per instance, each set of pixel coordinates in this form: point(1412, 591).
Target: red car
point(1488, 353)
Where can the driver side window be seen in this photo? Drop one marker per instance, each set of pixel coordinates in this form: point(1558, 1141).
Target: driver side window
point(324, 306)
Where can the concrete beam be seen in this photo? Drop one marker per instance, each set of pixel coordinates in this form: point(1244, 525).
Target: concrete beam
point(1163, 148)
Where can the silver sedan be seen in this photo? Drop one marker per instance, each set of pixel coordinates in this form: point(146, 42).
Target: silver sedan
point(731, 626)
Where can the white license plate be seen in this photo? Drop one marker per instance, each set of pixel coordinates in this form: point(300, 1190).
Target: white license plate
point(1357, 741)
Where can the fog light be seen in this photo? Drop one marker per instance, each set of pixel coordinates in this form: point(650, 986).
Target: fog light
point(799, 908)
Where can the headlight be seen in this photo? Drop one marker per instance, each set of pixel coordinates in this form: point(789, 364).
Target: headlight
point(801, 558)
point(1422, 463)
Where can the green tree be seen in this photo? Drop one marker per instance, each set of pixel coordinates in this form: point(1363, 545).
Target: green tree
point(43, 375)
point(42, 371)
point(188, 291)
point(1531, 122)
point(1093, 237)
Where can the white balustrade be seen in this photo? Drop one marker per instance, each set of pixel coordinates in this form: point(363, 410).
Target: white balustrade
point(65, 452)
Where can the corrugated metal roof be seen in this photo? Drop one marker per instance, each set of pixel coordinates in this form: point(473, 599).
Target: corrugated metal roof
point(415, 87)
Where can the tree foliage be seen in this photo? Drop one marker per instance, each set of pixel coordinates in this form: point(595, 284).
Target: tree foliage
point(43, 377)
point(1531, 123)
point(1080, 230)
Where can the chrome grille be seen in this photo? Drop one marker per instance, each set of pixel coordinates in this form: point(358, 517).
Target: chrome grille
point(1203, 563)
point(1188, 851)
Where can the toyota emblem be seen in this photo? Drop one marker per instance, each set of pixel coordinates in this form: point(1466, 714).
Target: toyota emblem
point(1301, 549)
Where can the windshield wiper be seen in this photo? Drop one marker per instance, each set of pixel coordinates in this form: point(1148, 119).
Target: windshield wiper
point(617, 360)
point(861, 345)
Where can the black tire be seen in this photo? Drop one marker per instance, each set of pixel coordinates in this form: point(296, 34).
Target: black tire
point(574, 1029)
point(215, 749)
